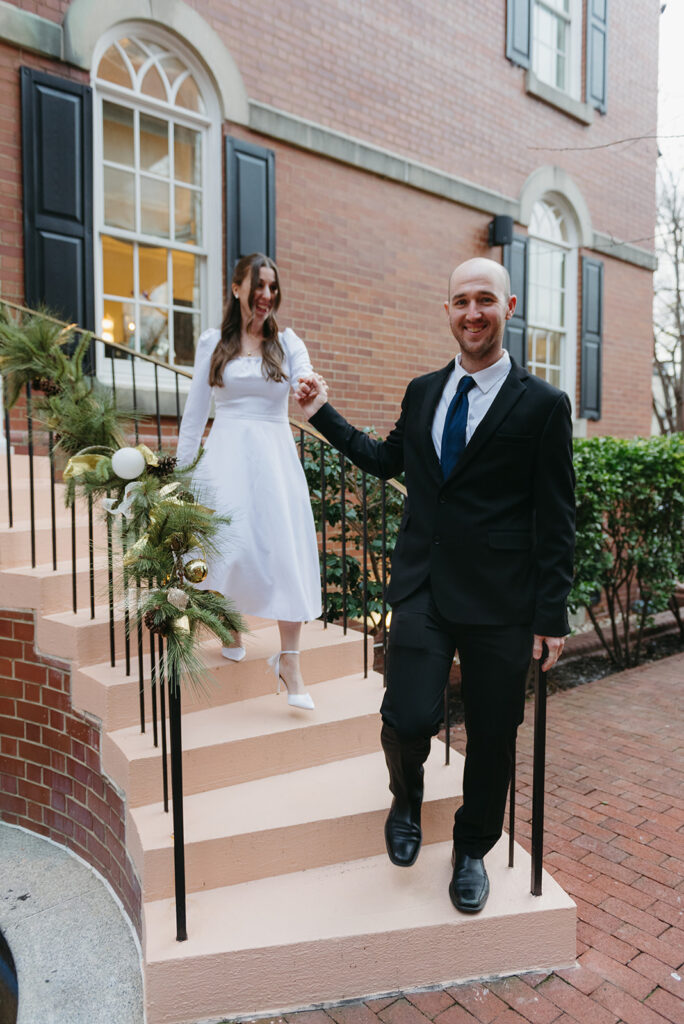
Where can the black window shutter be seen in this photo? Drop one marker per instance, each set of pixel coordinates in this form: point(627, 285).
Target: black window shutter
point(597, 39)
point(519, 31)
point(592, 333)
point(515, 335)
point(57, 156)
point(250, 201)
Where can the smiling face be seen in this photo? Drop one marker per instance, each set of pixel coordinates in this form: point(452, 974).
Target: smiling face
point(479, 306)
point(259, 296)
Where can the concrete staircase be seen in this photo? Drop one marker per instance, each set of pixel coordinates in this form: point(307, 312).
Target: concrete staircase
point(292, 901)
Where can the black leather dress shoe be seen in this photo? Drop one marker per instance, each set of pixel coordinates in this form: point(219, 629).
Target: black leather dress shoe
point(402, 836)
point(469, 887)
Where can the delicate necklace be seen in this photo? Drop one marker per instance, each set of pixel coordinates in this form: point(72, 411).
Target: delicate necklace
point(252, 351)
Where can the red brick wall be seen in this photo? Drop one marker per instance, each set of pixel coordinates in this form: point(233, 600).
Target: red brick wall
point(365, 261)
point(51, 778)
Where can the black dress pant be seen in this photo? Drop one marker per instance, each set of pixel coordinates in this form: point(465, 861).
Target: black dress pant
point(494, 664)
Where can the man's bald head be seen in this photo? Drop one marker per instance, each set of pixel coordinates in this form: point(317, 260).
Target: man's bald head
point(481, 266)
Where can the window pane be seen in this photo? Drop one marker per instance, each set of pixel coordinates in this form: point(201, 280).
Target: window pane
point(119, 189)
point(554, 342)
point(153, 284)
point(185, 279)
point(154, 331)
point(117, 267)
point(539, 349)
point(187, 155)
point(173, 67)
point(188, 96)
point(134, 52)
point(113, 68)
point(117, 130)
point(154, 207)
point(185, 335)
point(118, 324)
point(154, 145)
point(188, 212)
point(153, 85)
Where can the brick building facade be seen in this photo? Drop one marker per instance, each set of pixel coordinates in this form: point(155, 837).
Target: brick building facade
point(369, 146)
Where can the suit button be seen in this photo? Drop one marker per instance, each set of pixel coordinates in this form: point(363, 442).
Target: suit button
point(436, 539)
point(442, 501)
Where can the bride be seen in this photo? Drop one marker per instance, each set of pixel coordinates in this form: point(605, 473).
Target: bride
point(268, 561)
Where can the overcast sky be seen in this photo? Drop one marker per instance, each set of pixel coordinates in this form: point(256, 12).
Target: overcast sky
point(671, 84)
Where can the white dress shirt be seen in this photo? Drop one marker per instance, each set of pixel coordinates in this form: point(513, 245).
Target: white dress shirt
point(487, 385)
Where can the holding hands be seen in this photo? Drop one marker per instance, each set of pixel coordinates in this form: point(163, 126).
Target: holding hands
point(311, 394)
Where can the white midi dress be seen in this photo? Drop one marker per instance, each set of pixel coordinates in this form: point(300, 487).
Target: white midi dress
point(267, 561)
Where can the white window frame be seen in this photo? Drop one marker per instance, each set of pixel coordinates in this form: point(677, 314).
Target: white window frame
point(573, 73)
point(568, 366)
point(211, 267)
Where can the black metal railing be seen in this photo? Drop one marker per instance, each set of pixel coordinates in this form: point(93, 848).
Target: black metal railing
point(356, 517)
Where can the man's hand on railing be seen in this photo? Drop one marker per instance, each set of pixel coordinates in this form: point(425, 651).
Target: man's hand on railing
point(311, 393)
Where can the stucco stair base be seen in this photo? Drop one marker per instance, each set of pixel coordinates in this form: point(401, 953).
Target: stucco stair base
point(361, 928)
point(110, 694)
point(49, 590)
point(304, 819)
point(251, 739)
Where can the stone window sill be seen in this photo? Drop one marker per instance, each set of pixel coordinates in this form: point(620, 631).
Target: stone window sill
point(560, 100)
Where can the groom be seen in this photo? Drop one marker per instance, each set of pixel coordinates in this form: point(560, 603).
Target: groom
point(482, 563)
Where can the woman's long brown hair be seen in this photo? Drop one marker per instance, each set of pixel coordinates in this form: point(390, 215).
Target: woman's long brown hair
point(228, 346)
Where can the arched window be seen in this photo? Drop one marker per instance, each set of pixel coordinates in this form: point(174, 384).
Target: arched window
point(552, 297)
point(157, 238)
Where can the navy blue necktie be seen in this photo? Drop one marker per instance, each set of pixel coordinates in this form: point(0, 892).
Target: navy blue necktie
point(453, 436)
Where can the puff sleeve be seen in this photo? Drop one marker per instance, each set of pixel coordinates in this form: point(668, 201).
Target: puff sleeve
point(298, 362)
point(198, 403)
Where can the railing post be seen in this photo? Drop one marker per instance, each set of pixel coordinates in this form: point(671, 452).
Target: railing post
point(32, 486)
point(538, 775)
point(177, 799)
point(162, 723)
point(53, 507)
point(324, 551)
point(343, 524)
point(364, 502)
point(8, 454)
point(511, 808)
point(383, 495)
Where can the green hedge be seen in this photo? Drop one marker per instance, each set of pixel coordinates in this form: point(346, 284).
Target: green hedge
point(630, 514)
point(629, 553)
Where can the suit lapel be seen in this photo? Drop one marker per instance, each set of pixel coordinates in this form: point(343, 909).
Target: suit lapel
point(431, 398)
point(512, 389)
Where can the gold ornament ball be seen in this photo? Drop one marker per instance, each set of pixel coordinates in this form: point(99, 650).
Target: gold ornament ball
point(195, 570)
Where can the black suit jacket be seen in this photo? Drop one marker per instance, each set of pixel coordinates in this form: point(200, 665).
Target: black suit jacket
point(496, 539)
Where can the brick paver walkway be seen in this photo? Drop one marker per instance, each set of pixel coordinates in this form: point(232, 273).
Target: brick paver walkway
point(615, 842)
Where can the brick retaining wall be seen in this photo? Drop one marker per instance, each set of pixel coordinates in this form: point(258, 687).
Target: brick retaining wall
point(51, 778)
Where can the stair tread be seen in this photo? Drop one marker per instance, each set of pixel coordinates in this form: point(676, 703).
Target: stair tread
point(46, 570)
point(259, 643)
point(355, 785)
point(337, 700)
point(360, 897)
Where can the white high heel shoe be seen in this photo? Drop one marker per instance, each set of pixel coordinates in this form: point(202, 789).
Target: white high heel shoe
point(295, 700)
point(233, 653)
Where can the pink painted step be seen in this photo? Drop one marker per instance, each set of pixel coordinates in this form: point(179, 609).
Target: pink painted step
point(252, 739)
point(111, 695)
point(359, 928)
point(304, 819)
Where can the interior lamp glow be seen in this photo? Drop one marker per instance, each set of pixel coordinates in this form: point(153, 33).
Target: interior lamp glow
point(107, 328)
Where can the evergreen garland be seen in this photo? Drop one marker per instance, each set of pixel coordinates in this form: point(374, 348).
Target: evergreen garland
point(165, 532)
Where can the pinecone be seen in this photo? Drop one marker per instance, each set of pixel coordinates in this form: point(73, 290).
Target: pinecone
point(154, 627)
point(46, 385)
point(167, 464)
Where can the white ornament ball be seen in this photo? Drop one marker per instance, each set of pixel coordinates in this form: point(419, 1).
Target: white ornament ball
point(128, 463)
